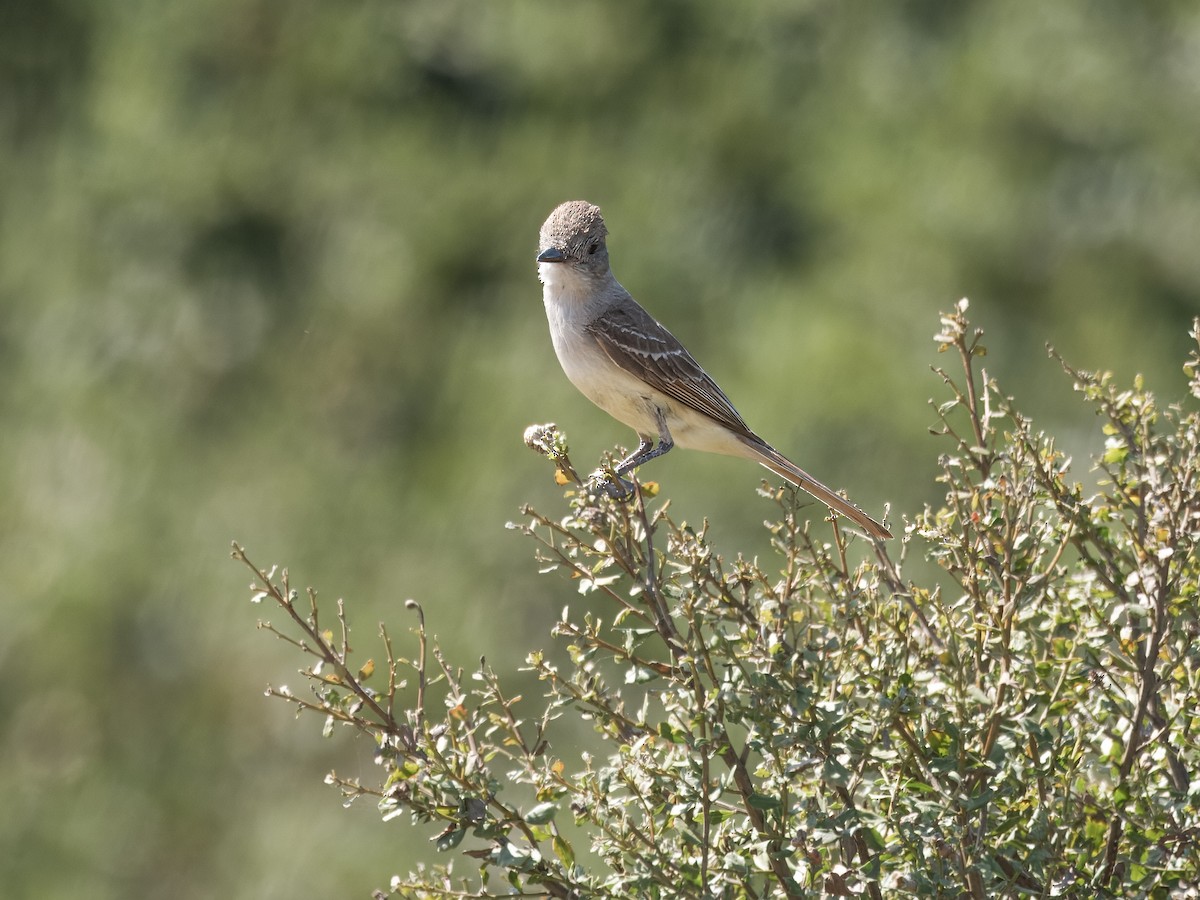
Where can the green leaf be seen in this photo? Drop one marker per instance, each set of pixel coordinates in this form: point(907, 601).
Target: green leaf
point(762, 801)
point(669, 733)
point(735, 863)
point(450, 838)
point(1115, 452)
point(833, 772)
point(564, 851)
point(541, 814)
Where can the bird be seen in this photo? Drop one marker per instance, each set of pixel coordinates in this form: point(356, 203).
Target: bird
point(628, 364)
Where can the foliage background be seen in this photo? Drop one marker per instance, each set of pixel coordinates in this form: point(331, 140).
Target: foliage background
point(266, 272)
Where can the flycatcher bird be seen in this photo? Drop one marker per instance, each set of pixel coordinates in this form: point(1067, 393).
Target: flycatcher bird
point(635, 370)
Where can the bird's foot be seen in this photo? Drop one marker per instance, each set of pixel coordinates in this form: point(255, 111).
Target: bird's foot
point(614, 485)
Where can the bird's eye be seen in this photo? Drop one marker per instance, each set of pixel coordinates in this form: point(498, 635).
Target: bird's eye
point(593, 248)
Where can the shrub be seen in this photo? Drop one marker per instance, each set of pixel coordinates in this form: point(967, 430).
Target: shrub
point(1024, 723)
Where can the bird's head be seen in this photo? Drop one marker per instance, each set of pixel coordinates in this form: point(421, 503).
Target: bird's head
point(573, 238)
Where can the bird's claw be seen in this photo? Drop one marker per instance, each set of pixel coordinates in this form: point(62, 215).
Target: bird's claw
point(614, 485)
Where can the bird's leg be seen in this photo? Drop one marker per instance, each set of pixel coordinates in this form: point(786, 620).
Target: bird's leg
point(616, 486)
point(646, 451)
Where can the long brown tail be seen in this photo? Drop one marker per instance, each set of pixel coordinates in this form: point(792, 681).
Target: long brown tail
point(785, 468)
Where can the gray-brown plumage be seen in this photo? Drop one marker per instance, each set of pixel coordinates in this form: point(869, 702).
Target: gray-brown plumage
point(629, 365)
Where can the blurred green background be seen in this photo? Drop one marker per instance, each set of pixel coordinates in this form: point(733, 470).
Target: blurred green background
point(266, 273)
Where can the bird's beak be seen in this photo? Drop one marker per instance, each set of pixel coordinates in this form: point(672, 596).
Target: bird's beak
point(551, 254)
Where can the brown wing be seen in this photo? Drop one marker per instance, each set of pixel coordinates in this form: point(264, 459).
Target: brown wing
point(637, 343)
